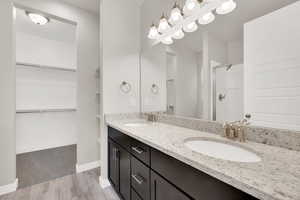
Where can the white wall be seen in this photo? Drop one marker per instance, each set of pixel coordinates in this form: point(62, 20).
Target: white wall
point(37, 50)
point(120, 43)
point(235, 52)
point(272, 68)
point(87, 62)
point(7, 97)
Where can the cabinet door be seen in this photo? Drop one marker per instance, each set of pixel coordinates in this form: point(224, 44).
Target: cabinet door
point(113, 164)
point(162, 190)
point(124, 160)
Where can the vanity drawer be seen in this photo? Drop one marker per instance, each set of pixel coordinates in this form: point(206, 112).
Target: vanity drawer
point(134, 195)
point(140, 178)
point(141, 151)
point(120, 138)
point(199, 185)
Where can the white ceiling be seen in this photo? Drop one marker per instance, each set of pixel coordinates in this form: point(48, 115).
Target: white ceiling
point(89, 5)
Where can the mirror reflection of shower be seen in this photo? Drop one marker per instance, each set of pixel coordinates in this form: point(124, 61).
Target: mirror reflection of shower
point(227, 92)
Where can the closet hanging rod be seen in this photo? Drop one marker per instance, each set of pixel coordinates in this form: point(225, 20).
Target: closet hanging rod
point(46, 110)
point(45, 67)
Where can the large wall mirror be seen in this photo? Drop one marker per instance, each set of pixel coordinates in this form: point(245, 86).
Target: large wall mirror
point(242, 64)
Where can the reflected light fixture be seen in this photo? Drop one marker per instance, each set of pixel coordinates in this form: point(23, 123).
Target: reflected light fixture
point(37, 18)
point(178, 34)
point(176, 15)
point(190, 27)
point(163, 24)
point(226, 7)
point(194, 12)
point(190, 6)
point(207, 18)
point(153, 32)
point(167, 40)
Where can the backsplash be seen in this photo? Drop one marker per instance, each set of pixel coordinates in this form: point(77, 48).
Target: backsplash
point(276, 137)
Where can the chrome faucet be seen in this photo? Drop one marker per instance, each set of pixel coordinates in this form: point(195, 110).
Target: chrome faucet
point(235, 130)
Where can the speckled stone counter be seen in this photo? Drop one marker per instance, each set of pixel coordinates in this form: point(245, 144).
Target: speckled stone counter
point(276, 177)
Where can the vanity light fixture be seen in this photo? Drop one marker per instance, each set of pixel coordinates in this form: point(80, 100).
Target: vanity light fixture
point(37, 18)
point(190, 6)
point(167, 40)
point(178, 34)
point(226, 7)
point(190, 27)
point(207, 18)
point(153, 32)
point(176, 15)
point(194, 12)
point(163, 25)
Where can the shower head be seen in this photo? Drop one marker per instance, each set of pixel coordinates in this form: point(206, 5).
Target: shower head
point(228, 67)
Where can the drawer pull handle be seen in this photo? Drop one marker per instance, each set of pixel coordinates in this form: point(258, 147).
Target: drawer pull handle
point(139, 179)
point(138, 150)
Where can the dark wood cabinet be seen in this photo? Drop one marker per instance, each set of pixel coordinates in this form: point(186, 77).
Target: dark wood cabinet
point(139, 172)
point(140, 178)
point(124, 186)
point(113, 164)
point(119, 169)
point(162, 190)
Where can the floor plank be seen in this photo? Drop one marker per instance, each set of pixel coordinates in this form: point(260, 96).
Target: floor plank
point(83, 186)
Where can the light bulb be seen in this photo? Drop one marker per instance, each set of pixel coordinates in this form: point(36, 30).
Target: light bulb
point(207, 18)
point(176, 15)
point(226, 7)
point(178, 34)
point(153, 32)
point(190, 6)
point(37, 18)
point(191, 27)
point(163, 25)
point(167, 40)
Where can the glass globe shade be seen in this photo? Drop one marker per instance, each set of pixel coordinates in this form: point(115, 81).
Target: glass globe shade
point(207, 18)
point(226, 7)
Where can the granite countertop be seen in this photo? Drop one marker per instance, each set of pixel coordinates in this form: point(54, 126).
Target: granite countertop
point(276, 177)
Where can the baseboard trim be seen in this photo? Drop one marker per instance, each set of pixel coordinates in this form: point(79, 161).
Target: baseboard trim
point(104, 182)
point(5, 189)
point(87, 166)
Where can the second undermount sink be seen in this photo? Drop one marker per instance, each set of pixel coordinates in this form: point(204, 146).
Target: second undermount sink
point(224, 151)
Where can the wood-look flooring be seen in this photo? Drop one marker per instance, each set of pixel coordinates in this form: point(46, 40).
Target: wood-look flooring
point(83, 186)
point(45, 165)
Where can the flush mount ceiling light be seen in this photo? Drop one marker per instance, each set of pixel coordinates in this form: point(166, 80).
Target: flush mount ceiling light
point(38, 18)
point(193, 12)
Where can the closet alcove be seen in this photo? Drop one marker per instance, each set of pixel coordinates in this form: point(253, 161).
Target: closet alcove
point(46, 65)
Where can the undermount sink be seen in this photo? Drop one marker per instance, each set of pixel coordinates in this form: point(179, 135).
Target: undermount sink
point(136, 124)
point(222, 151)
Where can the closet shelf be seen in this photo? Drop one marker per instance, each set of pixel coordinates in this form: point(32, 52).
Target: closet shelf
point(24, 111)
point(45, 67)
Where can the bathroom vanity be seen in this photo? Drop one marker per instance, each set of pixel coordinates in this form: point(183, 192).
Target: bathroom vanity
point(140, 172)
